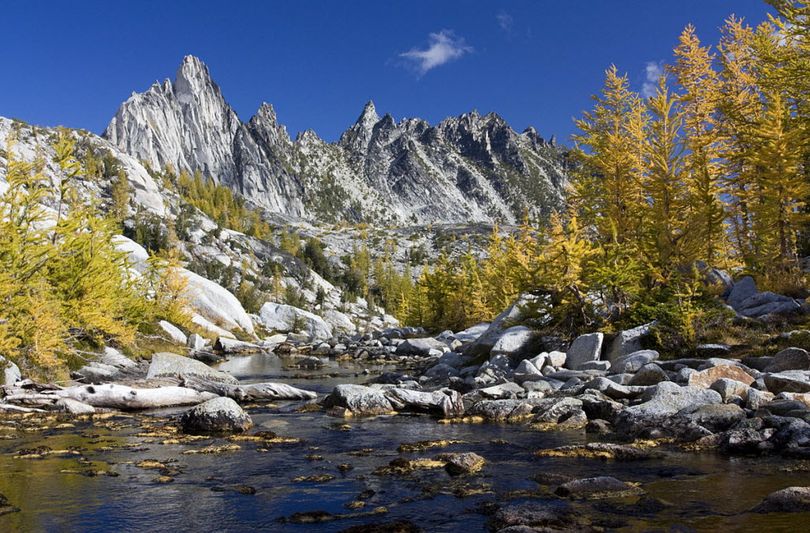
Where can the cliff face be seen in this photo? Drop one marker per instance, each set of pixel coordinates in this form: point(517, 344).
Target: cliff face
point(471, 168)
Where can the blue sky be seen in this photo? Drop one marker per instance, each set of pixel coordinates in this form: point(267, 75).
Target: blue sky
point(534, 62)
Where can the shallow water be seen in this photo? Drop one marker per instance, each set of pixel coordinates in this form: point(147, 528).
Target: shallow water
point(688, 491)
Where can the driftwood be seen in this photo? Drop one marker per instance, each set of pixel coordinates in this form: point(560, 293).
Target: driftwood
point(115, 396)
point(249, 392)
point(7, 407)
point(83, 399)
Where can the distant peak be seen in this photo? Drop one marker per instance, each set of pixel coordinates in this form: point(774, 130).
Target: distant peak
point(192, 75)
point(369, 116)
point(267, 111)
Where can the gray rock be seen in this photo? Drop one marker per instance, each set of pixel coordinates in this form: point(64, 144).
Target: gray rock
point(667, 398)
point(196, 342)
point(614, 390)
point(359, 399)
point(785, 407)
point(714, 417)
point(627, 342)
point(422, 347)
point(742, 441)
point(165, 364)
point(526, 371)
point(454, 359)
point(755, 399)
point(649, 374)
point(515, 313)
point(599, 406)
point(597, 487)
point(730, 388)
point(516, 342)
point(538, 516)
point(96, 372)
point(788, 381)
point(504, 410)
point(585, 348)
point(113, 357)
point(759, 363)
point(789, 500)
point(472, 333)
point(503, 391)
point(463, 463)
point(232, 346)
point(440, 372)
point(743, 289)
point(557, 359)
point(444, 402)
point(219, 415)
point(789, 359)
point(558, 411)
point(767, 303)
point(286, 318)
point(604, 366)
point(714, 277)
point(174, 333)
point(632, 362)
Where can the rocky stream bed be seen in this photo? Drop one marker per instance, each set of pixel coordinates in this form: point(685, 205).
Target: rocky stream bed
point(301, 467)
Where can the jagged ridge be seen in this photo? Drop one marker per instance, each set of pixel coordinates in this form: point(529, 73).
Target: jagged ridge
point(470, 168)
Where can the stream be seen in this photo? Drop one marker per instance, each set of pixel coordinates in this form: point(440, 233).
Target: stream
point(103, 475)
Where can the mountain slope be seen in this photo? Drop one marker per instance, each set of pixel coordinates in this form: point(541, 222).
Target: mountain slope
point(471, 168)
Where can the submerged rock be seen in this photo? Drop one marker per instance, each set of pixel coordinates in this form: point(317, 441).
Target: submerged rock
point(597, 488)
point(463, 463)
point(789, 500)
point(602, 450)
point(538, 516)
point(219, 415)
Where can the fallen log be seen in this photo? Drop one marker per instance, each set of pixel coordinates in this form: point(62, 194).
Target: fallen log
point(249, 392)
point(115, 396)
point(7, 407)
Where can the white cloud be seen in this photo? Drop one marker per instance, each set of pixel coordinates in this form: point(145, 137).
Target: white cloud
point(653, 70)
point(443, 47)
point(505, 21)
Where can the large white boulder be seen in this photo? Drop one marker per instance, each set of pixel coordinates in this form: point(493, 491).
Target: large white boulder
point(137, 255)
point(174, 333)
point(215, 303)
point(340, 322)
point(286, 318)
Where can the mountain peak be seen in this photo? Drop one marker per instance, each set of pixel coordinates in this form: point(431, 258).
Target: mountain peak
point(369, 116)
point(267, 112)
point(193, 77)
